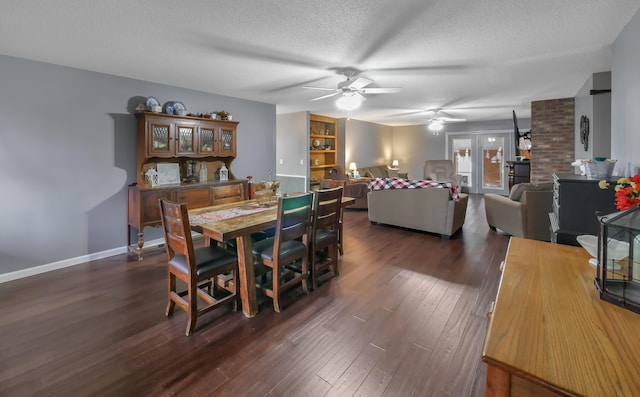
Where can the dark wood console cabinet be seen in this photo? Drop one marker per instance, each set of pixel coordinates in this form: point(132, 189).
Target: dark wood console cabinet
point(576, 200)
point(176, 139)
point(519, 172)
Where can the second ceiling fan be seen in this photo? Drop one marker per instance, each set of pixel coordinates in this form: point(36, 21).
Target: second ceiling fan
point(436, 123)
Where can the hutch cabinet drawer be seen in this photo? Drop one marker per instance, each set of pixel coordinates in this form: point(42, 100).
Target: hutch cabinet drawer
point(194, 198)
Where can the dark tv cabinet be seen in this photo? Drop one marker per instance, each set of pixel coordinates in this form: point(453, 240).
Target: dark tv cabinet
point(519, 172)
point(576, 200)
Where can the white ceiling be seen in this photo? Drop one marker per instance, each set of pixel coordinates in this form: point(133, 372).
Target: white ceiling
point(475, 59)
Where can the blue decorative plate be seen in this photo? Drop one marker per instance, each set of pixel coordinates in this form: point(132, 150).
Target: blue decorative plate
point(152, 101)
point(178, 106)
point(168, 107)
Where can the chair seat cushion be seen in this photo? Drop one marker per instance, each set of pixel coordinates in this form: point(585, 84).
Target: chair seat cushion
point(208, 259)
point(291, 248)
point(325, 237)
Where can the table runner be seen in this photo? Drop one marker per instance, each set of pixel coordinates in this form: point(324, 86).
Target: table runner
point(400, 183)
point(207, 217)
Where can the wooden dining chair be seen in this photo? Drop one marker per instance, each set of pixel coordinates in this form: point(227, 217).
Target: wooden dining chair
point(286, 255)
point(328, 184)
point(325, 232)
point(197, 267)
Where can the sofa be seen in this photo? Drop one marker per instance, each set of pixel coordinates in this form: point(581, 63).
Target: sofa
point(428, 209)
point(380, 171)
point(525, 213)
point(357, 190)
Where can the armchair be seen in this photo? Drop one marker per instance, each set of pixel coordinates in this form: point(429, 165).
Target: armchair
point(525, 213)
point(441, 171)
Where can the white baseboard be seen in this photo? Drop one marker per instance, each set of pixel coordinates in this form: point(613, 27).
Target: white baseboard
point(32, 271)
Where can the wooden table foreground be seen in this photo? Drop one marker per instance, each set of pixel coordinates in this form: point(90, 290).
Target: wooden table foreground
point(550, 334)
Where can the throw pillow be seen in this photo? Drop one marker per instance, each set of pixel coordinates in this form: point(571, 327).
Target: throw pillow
point(377, 172)
point(392, 173)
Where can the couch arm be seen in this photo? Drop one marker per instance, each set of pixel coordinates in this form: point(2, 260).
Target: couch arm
point(505, 214)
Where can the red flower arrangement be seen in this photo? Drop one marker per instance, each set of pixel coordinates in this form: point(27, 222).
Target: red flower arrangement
point(627, 192)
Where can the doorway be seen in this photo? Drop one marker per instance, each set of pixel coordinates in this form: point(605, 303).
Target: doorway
point(480, 157)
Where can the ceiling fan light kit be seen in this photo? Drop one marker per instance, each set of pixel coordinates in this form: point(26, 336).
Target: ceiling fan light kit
point(435, 125)
point(349, 101)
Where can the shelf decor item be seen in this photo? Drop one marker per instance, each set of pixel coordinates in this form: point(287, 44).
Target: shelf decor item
point(151, 177)
point(224, 173)
point(619, 282)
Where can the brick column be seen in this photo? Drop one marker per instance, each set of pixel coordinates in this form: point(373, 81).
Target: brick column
point(552, 137)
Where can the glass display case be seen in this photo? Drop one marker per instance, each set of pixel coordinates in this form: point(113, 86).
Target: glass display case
point(618, 266)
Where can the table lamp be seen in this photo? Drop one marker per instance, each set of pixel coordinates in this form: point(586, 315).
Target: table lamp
point(352, 169)
point(395, 165)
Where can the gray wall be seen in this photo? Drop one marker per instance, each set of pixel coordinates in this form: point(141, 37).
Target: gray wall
point(367, 144)
point(625, 98)
point(293, 143)
point(598, 109)
point(69, 152)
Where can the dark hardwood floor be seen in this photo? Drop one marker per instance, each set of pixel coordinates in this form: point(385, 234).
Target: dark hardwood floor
point(406, 317)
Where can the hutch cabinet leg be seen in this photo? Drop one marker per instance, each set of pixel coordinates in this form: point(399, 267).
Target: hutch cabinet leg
point(498, 382)
point(140, 244)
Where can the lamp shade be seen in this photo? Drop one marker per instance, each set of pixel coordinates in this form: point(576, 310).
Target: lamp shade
point(352, 166)
point(348, 101)
point(395, 164)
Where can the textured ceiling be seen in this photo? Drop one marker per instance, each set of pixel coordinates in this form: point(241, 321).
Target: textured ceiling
point(475, 59)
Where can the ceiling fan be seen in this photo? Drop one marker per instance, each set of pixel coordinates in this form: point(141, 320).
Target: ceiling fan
point(352, 90)
point(436, 123)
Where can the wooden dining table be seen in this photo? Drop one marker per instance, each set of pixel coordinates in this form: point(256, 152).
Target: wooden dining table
point(238, 220)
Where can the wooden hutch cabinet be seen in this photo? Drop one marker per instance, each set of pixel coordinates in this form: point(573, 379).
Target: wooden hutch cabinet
point(176, 139)
point(323, 148)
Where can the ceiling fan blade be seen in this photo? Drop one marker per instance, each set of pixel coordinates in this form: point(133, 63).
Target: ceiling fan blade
point(449, 120)
point(359, 95)
point(325, 96)
point(359, 83)
point(381, 90)
point(308, 87)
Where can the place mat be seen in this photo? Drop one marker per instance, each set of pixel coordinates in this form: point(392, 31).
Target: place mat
point(207, 217)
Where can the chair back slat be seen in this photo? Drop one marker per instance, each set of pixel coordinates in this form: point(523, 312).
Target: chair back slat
point(327, 204)
point(294, 217)
point(177, 232)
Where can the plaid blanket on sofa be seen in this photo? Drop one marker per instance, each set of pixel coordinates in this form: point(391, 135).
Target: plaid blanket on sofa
point(399, 183)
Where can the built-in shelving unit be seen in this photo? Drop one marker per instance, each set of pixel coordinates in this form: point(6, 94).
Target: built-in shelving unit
point(323, 144)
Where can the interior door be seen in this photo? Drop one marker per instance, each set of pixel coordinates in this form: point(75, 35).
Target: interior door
point(480, 158)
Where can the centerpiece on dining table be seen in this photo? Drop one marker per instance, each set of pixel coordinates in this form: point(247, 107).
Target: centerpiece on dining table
point(267, 196)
